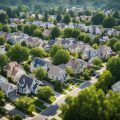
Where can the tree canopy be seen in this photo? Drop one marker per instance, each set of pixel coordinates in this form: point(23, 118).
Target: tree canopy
point(18, 53)
point(113, 66)
point(92, 104)
point(97, 19)
point(61, 57)
point(44, 92)
point(40, 73)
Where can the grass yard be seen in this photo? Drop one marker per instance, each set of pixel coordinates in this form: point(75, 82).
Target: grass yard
point(39, 104)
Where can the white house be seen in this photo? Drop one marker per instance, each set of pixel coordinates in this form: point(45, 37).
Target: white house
point(9, 88)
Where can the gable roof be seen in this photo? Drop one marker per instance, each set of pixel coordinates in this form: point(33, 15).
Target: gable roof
point(3, 79)
point(74, 63)
point(46, 32)
point(25, 81)
point(55, 71)
point(13, 68)
point(116, 87)
point(38, 62)
point(51, 42)
point(7, 87)
point(29, 82)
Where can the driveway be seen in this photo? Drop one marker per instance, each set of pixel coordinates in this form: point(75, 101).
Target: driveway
point(13, 111)
point(2, 117)
point(52, 110)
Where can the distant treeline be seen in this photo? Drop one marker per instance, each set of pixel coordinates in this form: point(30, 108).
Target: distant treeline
point(109, 3)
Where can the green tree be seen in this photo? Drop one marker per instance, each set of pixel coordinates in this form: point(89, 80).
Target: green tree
point(113, 66)
point(61, 57)
point(26, 104)
point(2, 96)
point(18, 53)
point(37, 33)
point(116, 14)
point(4, 19)
point(66, 18)
point(71, 13)
point(58, 86)
point(13, 29)
point(97, 61)
point(96, 39)
point(26, 29)
point(70, 71)
point(38, 52)
point(75, 33)
point(46, 17)
point(17, 117)
point(9, 12)
point(112, 42)
point(92, 104)
point(20, 27)
point(2, 40)
point(44, 92)
point(55, 33)
point(87, 39)
point(97, 19)
point(58, 18)
point(85, 74)
point(54, 50)
point(7, 47)
point(105, 81)
point(86, 106)
point(3, 61)
point(6, 28)
point(29, 29)
point(109, 22)
point(55, 22)
point(40, 73)
point(68, 32)
point(117, 46)
point(95, 46)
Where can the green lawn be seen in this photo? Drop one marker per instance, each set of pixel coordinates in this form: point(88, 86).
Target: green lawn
point(39, 104)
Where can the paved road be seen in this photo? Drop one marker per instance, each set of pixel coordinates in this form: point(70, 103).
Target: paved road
point(52, 110)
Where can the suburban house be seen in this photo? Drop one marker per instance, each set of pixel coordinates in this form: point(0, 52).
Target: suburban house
point(66, 43)
point(51, 43)
point(14, 71)
point(94, 53)
point(84, 17)
point(39, 62)
point(56, 73)
point(94, 29)
point(13, 25)
point(46, 32)
point(16, 37)
point(76, 64)
point(105, 51)
point(76, 47)
point(14, 20)
point(34, 42)
point(103, 39)
point(116, 87)
point(83, 27)
point(86, 52)
point(28, 84)
point(2, 49)
point(9, 88)
point(61, 25)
